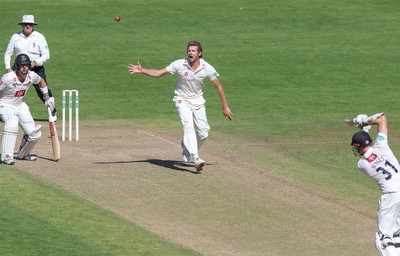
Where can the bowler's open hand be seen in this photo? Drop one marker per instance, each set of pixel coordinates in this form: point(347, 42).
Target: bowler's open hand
point(132, 69)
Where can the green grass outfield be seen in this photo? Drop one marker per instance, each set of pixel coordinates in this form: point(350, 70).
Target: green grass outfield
point(292, 71)
point(37, 219)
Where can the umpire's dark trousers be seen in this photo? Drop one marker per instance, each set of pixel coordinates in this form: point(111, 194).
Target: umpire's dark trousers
point(41, 72)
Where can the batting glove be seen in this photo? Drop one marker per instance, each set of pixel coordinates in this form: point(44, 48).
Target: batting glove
point(49, 103)
point(360, 120)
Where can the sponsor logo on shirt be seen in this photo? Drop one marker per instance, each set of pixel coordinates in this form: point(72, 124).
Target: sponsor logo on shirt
point(371, 158)
point(20, 93)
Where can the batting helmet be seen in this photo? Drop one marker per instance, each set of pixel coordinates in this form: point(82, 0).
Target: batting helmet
point(361, 139)
point(22, 59)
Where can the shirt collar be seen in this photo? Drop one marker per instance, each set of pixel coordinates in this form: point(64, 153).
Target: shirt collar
point(21, 33)
point(201, 66)
point(368, 153)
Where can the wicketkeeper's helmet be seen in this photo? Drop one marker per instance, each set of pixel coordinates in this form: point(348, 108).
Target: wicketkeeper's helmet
point(361, 139)
point(22, 59)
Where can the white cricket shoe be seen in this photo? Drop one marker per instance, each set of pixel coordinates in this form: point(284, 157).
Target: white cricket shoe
point(185, 153)
point(28, 158)
point(199, 163)
point(9, 162)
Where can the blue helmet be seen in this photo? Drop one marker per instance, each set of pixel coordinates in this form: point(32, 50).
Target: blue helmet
point(22, 59)
point(361, 139)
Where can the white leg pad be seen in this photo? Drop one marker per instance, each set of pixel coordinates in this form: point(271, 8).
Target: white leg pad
point(385, 246)
point(8, 142)
point(29, 141)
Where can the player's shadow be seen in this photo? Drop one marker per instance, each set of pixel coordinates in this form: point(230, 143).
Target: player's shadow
point(173, 165)
point(46, 158)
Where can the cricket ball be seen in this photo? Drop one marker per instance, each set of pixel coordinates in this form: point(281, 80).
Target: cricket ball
point(117, 18)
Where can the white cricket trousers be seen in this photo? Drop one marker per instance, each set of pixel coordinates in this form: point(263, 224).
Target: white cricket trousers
point(13, 116)
point(388, 223)
point(194, 121)
point(389, 214)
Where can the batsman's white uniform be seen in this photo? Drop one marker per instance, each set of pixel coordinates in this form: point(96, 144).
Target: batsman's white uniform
point(14, 111)
point(380, 164)
point(190, 102)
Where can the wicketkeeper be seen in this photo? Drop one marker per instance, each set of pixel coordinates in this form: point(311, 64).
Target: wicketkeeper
point(14, 111)
point(379, 163)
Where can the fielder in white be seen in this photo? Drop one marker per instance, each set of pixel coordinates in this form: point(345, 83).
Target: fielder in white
point(190, 103)
point(379, 163)
point(14, 111)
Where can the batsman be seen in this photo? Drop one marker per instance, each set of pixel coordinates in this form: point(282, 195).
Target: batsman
point(15, 112)
point(380, 164)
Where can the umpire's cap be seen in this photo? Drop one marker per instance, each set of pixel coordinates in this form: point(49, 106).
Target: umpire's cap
point(361, 139)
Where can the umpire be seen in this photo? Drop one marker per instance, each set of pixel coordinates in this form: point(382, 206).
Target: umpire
point(32, 43)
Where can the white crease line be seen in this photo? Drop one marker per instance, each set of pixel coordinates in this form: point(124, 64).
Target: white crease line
point(307, 142)
point(271, 143)
point(170, 142)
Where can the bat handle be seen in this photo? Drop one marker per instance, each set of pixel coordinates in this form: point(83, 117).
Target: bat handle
point(52, 116)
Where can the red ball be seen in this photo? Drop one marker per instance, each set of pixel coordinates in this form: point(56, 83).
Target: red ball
point(117, 18)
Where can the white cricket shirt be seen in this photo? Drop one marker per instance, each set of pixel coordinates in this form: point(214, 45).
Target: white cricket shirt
point(12, 91)
point(35, 46)
point(191, 83)
point(380, 164)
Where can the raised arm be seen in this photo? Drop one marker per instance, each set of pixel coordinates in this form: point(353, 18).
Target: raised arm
point(137, 69)
point(225, 109)
point(381, 121)
point(378, 119)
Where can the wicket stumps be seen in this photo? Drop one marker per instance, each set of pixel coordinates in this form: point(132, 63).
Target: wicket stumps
point(70, 103)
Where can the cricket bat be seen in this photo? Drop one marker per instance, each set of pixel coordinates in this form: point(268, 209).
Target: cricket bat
point(349, 122)
point(54, 136)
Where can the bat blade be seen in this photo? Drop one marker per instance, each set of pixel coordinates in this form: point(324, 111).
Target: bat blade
point(349, 122)
point(55, 142)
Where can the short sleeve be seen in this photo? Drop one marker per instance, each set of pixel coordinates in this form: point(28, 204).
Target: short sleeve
point(173, 67)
